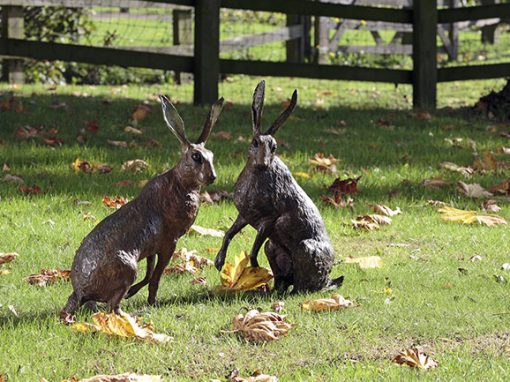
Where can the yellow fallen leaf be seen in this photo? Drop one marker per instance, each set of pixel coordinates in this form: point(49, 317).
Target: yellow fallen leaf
point(301, 174)
point(322, 163)
point(127, 377)
point(7, 257)
point(122, 325)
point(260, 327)
point(206, 231)
point(414, 357)
point(469, 217)
point(4, 272)
point(238, 276)
point(336, 302)
point(365, 262)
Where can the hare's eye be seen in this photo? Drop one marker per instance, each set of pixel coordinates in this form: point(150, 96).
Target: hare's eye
point(196, 157)
point(255, 143)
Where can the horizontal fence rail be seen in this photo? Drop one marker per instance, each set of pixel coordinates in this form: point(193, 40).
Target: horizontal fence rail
point(202, 57)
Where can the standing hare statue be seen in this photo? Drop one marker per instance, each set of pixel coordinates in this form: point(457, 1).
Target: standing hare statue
point(105, 265)
point(269, 199)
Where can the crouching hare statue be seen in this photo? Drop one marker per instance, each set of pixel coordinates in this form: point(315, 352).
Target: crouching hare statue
point(105, 264)
point(269, 199)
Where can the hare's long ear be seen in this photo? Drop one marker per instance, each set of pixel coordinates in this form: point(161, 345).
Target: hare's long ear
point(212, 117)
point(173, 120)
point(257, 106)
point(284, 115)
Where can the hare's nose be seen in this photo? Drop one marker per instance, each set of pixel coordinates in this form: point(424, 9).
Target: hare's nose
point(212, 177)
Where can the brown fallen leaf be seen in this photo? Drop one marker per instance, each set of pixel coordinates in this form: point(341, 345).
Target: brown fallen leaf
point(6, 168)
point(180, 269)
point(91, 166)
point(88, 216)
point(260, 327)
point(199, 280)
point(223, 135)
point(126, 377)
point(487, 162)
point(473, 190)
point(370, 222)
point(239, 276)
point(196, 229)
point(35, 189)
point(435, 183)
point(502, 188)
point(384, 210)
point(122, 325)
point(365, 262)
point(278, 306)
point(122, 144)
point(135, 165)
point(490, 206)
point(140, 113)
point(336, 302)
point(48, 276)
point(7, 257)
point(466, 171)
point(92, 126)
point(469, 217)
point(115, 202)
point(414, 357)
point(257, 376)
point(338, 201)
point(322, 163)
point(504, 150)
point(13, 179)
point(345, 186)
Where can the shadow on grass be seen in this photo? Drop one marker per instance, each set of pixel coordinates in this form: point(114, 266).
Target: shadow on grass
point(361, 139)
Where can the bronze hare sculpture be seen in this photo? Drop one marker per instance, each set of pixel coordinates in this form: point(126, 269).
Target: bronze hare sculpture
point(105, 264)
point(269, 199)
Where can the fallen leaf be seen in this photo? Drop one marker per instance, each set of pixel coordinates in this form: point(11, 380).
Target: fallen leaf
point(475, 258)
point(28, 132)
point(278, 306)
point(188, 261)
point(13, 310)
point(140, 112)
point(257, 376)
point(506, 267)
point(490, 206)
point(384, 210)
point(88, 216)
point(196, 229)
point(501, 188)
point(370, 222)
point(239, 276)
point(260, 327)
point(4, 272)
point(35, 189)
point(122, 144)
point(338, 201)
point(199, 280)
point(466, 171)
point(469, 217)
point(423, 116)
point(90, 167)
point(473, 190)
point(58, 105)
point(132, 130)
point(301, 174)
point(365, 262)
point(126, 377)
point(336, 302)
point(48, 276)
point(500, 279)
point(6, 168)
point(436, 203)
point(223, 135)
point(321, 163)
point(135, 165)
point(13, 179)
point(435, 183)
point(414, 357)
point(345, 186)
point(92, 126)
point(180, 269)
point(122, 325)
point(486, 163)
point(504, 150)
point(114, 202)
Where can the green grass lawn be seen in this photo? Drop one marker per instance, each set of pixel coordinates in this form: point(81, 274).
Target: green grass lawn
point(461, 318)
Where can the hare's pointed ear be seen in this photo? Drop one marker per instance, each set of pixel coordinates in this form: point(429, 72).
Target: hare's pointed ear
point(257, 106)
point(173, 120)
point(284, 115)
point(212, 117)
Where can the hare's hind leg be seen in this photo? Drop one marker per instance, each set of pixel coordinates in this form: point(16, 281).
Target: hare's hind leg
point(150, 269)
point(312, 263)
point(281, 265)
point(163, 260)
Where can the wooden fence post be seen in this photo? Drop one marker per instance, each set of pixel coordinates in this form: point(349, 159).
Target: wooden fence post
point(295, 49)
point(207, 51)
point(182, 24)
point(321, 26)
point(13, 27)
point(424, 54)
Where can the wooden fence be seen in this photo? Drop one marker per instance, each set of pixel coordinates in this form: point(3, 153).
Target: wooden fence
point(205, 63)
